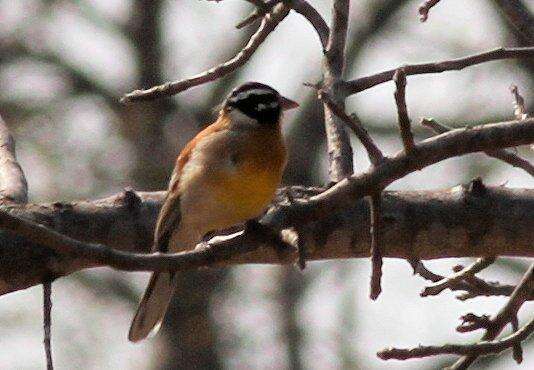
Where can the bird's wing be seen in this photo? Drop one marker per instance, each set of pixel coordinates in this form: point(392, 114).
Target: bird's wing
point(170, 214)
point(168, 220)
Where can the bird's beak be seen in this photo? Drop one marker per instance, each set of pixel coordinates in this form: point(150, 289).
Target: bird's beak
point(288, 104)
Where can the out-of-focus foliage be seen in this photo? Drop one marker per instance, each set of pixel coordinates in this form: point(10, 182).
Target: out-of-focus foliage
point(63, 66)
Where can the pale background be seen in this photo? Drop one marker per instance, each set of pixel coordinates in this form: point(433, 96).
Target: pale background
point(63, 65)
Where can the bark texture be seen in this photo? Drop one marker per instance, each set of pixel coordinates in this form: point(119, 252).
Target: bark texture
point(467, 220)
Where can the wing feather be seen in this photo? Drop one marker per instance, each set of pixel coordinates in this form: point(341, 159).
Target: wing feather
point(170, 214)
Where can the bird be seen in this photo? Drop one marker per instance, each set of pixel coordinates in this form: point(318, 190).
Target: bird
point(227, 174)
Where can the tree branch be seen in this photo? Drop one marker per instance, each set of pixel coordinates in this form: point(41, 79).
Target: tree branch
point(364, 83)
point(374, 153)
point(482, 348)
point(472, 285)
point(302, 7)
point(430, 151)
point(452, 280)
point(503, 155)
point(432, 224)
point(262, 8)
point(13, 185)
point(338, 143)
point(493, 326)
point(404, 121)
point(425, 7)
point(269, 23)
point(47, 322)
point(376, 245)
point(506, 315)
point(474, 224)
point(305, 9)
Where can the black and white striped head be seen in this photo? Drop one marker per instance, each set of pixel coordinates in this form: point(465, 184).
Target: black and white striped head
point(258, 102)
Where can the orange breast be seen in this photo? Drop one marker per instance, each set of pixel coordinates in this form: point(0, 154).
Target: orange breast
point(248, 188)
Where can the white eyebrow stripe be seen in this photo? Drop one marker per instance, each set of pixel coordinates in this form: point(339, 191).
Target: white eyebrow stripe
point(262, 106)
point(245, 94)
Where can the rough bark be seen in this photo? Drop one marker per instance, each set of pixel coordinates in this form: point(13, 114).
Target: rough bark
point(459, 222)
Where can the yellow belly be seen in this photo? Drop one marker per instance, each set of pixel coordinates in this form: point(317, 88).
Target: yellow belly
point(245, 192)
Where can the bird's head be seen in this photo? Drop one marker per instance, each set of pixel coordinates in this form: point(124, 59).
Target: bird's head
point(257, 103)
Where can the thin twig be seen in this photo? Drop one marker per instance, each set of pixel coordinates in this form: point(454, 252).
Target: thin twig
point(481, 348)
point(501, 154)
point(269, 23)
point(47, 322)
point(425, 7)
point(302, 7)
point(374, 153)
point(364, 83)
point(262, 8)
point(520, 112)
point(305, 9)
point(402, 111)
point(451, 280)
point(13, 185)
point(517, 350)
point(472, 285)
point(376, 251)
point(472, 322)
point(520, 295)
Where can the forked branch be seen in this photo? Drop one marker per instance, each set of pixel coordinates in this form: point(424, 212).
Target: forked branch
point(493, 327)
point(374, 153)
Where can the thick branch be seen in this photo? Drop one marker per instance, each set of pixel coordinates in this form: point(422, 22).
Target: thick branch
point(431, 224)
point(269, 23)
point(364, 83)
point(478, 225)
point(430, 151)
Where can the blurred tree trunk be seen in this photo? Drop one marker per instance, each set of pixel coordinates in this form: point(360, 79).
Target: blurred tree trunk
point(520, 38)
point(144, 124)
point(293, 286)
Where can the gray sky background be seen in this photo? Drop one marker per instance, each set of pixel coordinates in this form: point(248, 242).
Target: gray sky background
point(90, 326)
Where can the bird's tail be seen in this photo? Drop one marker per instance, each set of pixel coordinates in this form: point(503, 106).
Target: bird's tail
point(151, 310)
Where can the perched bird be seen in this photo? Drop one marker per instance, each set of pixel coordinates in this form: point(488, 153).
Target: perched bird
point(226, 175)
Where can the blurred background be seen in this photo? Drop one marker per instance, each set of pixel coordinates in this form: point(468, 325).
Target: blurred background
point(63, 66)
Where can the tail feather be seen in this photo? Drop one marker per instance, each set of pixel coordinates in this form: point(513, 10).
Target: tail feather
point(153, 306)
